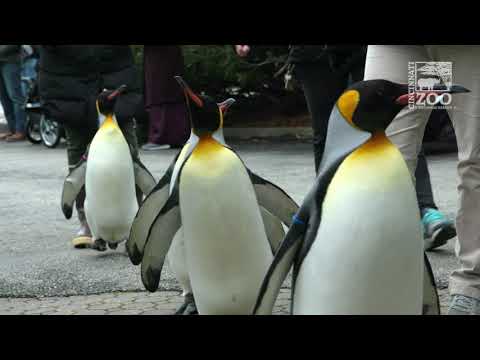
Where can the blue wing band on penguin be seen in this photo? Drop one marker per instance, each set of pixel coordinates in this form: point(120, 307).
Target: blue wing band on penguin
point(342, 140)
point(278, 270)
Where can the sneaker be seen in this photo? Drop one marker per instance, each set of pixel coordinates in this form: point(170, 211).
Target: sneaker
point(464, 305)
point(4, 136)
point(83, 238)
point(437, 229)
point(153, 147)
point(16, 137)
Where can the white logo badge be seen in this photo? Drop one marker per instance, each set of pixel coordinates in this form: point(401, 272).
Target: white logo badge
point(424, 77)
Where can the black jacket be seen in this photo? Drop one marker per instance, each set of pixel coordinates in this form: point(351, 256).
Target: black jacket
point(72, 76)
point(339, 57)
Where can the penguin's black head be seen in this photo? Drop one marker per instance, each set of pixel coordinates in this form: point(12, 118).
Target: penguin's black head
point(107, 99)
point(206, 116)
point(372, 105)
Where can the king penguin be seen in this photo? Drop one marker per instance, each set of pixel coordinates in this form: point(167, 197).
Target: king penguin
point(110, 176)
point(224, 219)
point(356, 242)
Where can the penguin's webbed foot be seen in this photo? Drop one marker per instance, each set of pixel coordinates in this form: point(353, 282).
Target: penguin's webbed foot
point(113, 246)
point(99, 245)
point(188, 307)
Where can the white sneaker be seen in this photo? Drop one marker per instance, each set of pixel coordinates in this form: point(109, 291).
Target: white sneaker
point(154, 147)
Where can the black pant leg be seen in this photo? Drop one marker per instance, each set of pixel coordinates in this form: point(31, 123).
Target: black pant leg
point(423, 185)
point(322, 87)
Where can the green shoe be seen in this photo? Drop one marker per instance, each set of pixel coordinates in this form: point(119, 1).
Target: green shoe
point(437, 229)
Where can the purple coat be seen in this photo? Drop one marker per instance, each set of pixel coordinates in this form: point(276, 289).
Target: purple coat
point(164, 98)
point(161, 64)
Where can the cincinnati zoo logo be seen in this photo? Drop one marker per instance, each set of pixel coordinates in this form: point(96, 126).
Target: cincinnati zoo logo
point(429, 83)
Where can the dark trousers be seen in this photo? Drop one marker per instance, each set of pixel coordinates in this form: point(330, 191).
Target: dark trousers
point(423, 185)
point(322, 87)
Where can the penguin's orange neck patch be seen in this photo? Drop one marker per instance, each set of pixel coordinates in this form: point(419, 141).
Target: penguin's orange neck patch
point(206, 147)
point(377, 143)
point(109, 123)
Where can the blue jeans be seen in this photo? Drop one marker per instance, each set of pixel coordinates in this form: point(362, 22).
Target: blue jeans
point(11, 97)
point(28, 72)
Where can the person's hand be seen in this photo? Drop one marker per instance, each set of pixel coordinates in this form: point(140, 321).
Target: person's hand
point(242, 50)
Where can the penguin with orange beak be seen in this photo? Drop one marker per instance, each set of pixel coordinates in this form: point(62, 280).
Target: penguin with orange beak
point(356, 243)
point(226, 220)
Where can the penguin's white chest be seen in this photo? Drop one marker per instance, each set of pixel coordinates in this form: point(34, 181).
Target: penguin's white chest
point(367, 257)
point(226, 246)
point(110, 186)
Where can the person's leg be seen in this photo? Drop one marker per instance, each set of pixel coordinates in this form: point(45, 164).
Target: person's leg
point(77, 143)
point(423, 185)
point(465, 282)
point(157, 129)
point(28, 72)
point(321, 87)
point(13, 84)
point(438, 229)
point(7, 107)
point(178, 129)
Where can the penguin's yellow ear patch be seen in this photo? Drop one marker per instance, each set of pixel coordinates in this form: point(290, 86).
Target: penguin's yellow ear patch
point(347, 104)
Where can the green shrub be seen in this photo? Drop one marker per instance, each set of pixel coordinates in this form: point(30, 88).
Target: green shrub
point(217, 71)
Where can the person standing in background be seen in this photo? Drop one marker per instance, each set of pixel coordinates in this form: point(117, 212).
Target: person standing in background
point(164, 99)
point(11, 94)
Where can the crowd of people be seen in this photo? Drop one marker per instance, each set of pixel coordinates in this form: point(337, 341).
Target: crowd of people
point(71, 76)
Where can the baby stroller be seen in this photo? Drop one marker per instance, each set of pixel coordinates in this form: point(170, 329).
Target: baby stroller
point(39, 128)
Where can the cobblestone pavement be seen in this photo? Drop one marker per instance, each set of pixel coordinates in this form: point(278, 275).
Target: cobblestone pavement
point(131, 303)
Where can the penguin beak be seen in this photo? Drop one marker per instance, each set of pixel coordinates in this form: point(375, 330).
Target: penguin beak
point(122, 89)
point(437, 90)
point(188, 92)
point(224, 106)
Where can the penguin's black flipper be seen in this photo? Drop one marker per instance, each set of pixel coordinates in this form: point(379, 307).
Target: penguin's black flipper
point(273, 229)
point(74, 182)
point(159, 239)
point(146, 215)
point(143, 178)
point(274, 199)
point(431, 302)
point(278, 270)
